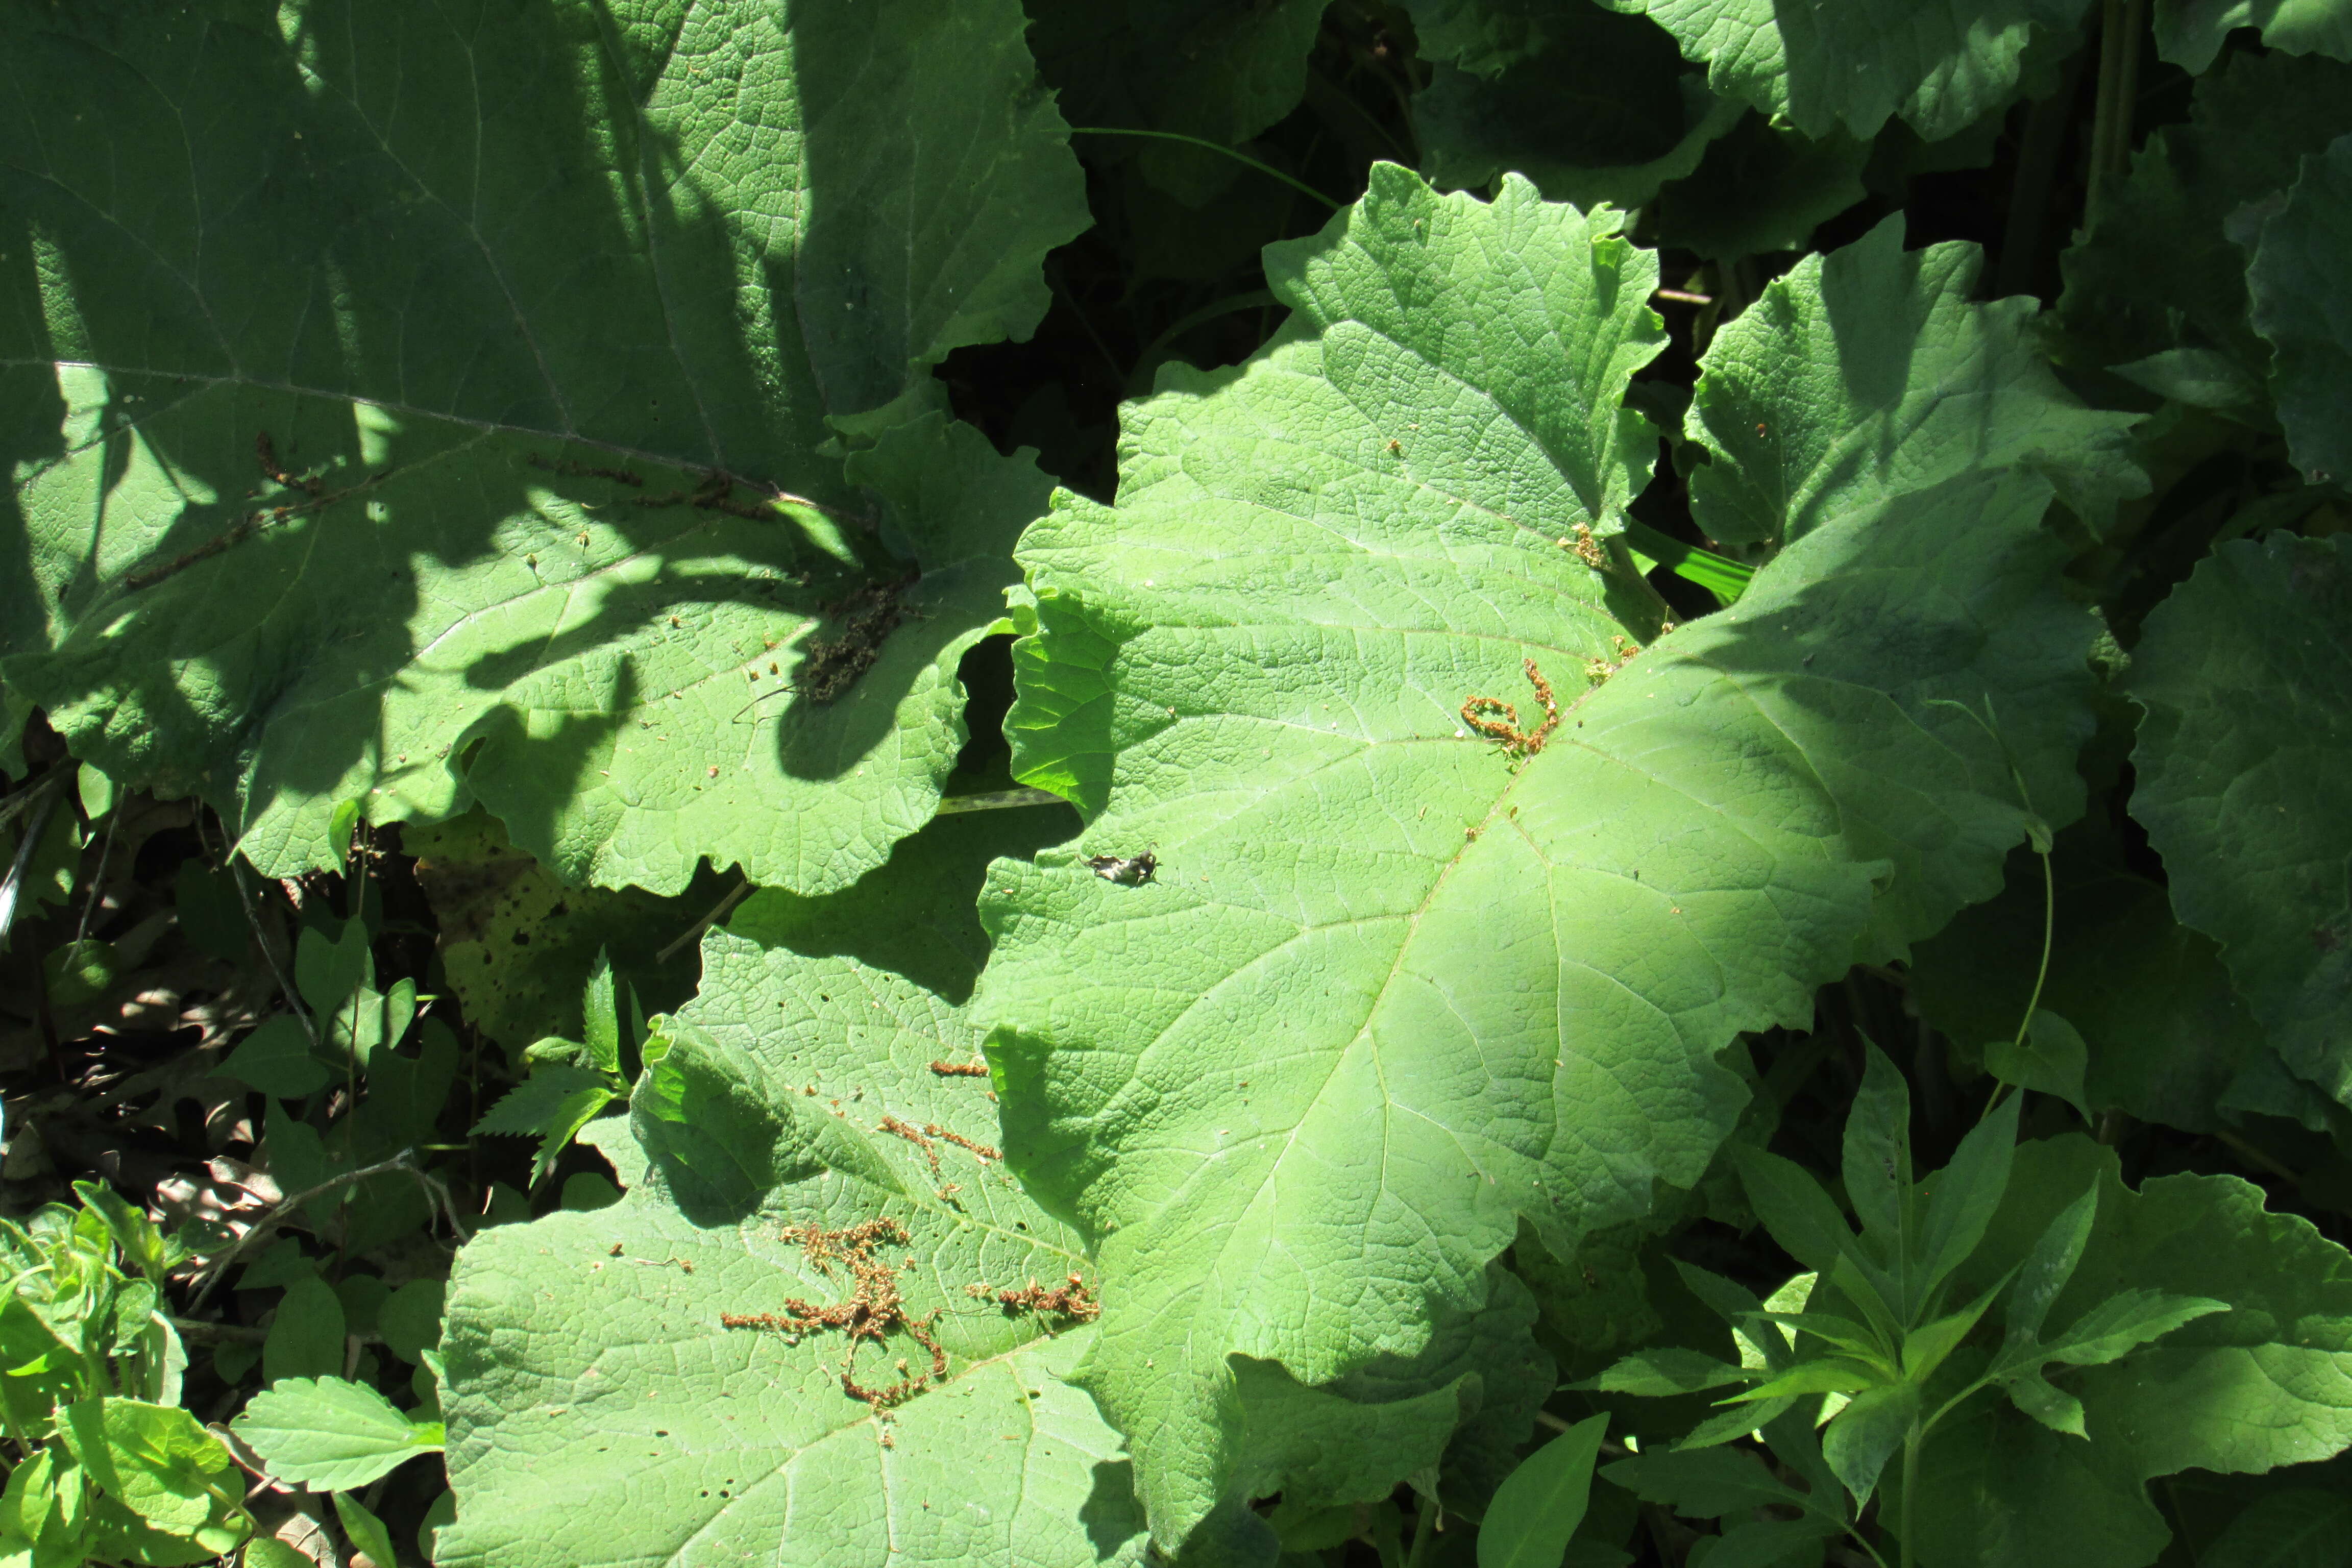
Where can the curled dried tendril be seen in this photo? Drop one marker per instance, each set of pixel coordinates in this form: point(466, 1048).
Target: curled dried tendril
point(1499, 720)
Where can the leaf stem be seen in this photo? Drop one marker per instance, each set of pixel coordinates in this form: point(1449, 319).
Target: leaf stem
point(2041, 975)
point(1424, 1528)
point(1301, 186)
point(2111, 118)
point(1910, 1489)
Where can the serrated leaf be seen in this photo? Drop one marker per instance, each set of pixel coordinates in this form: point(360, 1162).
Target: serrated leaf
point(2297, 284)
point(529, 545)
point(545, 1102)
point(2246, 682)
point(723, 1433)
point(1938, 65)
point(1869, 373)
point(1473, 992)
point(157, 1462)
point(2122, 1322)
point(2052, 1406)
point(2268, 1383)
point(328, 1433)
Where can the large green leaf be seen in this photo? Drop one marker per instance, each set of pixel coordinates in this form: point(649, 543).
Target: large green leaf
point(1940, 64)
point(2167, 1037)
point(535, 320)
point(1870, 373)
point(2188, 33)
point(1386, 992)
point(1205, 69)
point(599, 1410)
point(2303, 306)
point(2157, 274)
point(1592, 107)
point(2265, 1384)
point(2246, 677)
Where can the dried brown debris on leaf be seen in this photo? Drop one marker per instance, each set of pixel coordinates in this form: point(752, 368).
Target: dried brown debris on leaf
point(1499, 720)
point(874, 1311)
point(1073, 1300)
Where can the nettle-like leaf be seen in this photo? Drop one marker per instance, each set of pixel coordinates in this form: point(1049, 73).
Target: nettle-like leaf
point(2246, 682)
point(485, 367)
point(2266, 1383)
point(330, 1433)
point(1870, 373)
point(1940, 65)
point(2302, 306)
point(1390, 989)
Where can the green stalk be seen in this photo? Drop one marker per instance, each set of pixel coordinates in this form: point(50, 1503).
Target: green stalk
point(2111, 119)
point(1299, 186)
point(1910, 1488)
point(2041, 975)
point(1424, 1527)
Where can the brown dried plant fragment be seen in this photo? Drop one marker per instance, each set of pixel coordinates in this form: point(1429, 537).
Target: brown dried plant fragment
point(874, 1309)
point(1074, 1300)
point(961, 1141)
point(961, 1070)
point(892, 1125)
point(1499, 720)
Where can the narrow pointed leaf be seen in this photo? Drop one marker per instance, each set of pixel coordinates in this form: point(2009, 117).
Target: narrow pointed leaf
point(1795, 1207)
point(2122, 1322)
point(1877, 1164)
point(1963, 1195)
point(1867, 1433)
point(1926, 1346)
point(2049, 1266)
point(1539, 1504)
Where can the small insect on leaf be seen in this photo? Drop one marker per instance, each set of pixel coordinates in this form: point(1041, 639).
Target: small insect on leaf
point(1128, 872)
point(1396, 449)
